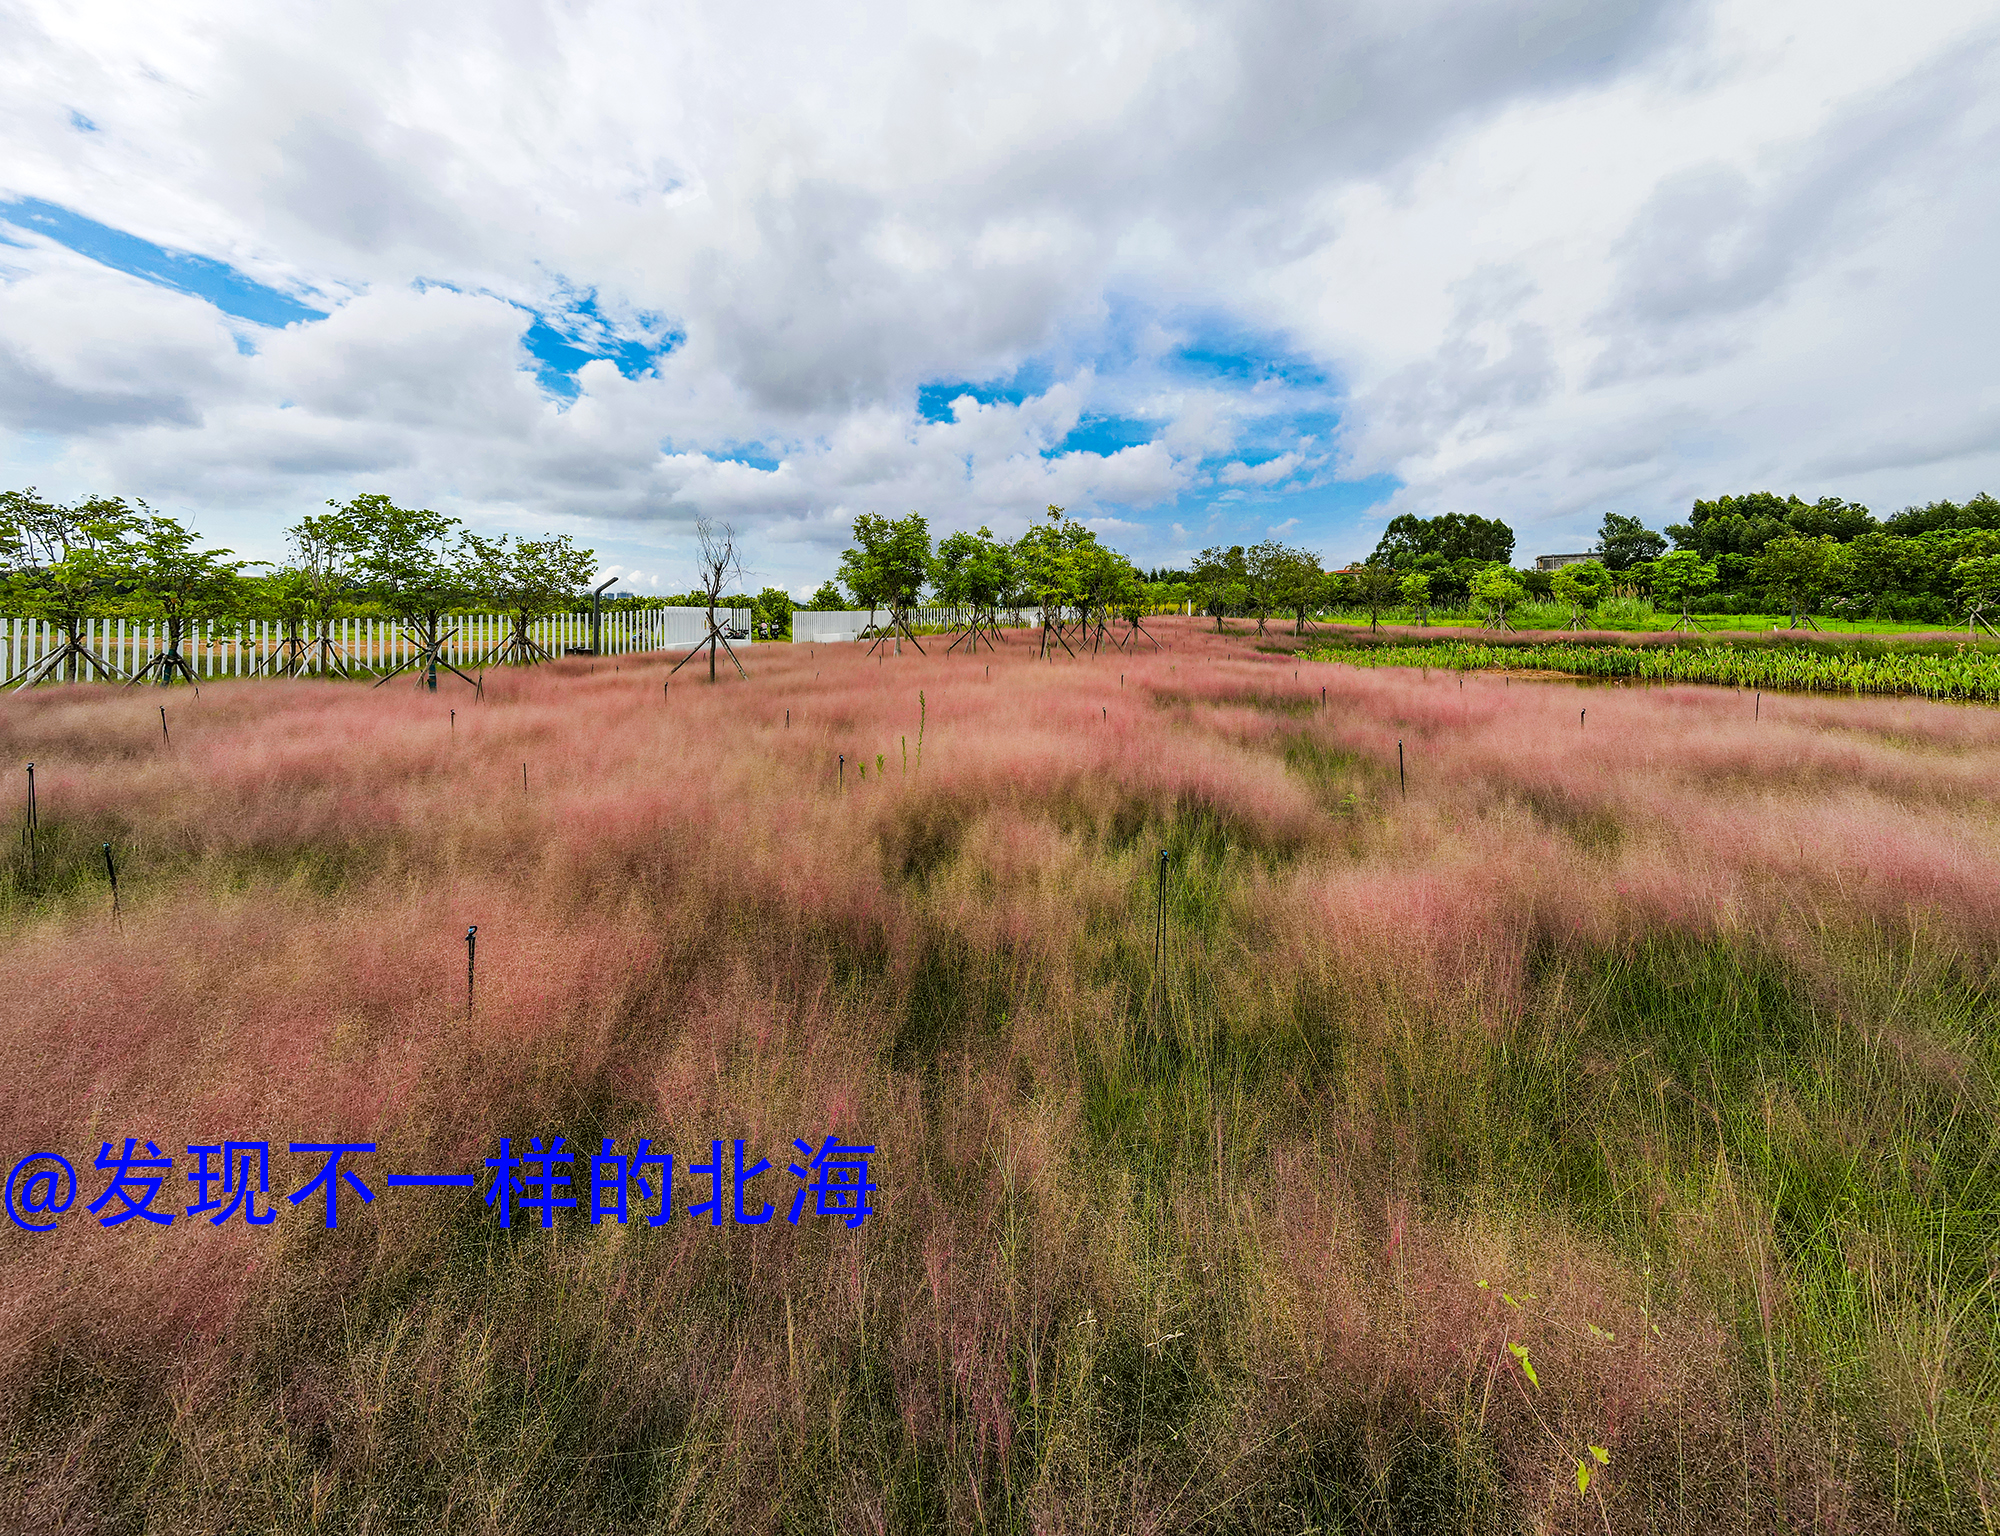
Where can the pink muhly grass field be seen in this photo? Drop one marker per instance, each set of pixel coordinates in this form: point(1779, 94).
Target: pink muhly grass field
point(1656, 1044)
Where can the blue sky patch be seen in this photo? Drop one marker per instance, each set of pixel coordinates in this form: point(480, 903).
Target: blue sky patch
point(81, 123)
point(1104, 435)
point(202, 276)
point(1221, 352)
point(562, 341)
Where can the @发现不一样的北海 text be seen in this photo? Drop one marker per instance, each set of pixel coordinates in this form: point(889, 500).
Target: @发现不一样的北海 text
point(232, 1181)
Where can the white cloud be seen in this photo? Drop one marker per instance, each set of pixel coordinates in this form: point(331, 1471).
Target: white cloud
point(1554, 260)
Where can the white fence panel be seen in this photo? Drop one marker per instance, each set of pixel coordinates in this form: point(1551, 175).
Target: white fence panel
point(830, 627)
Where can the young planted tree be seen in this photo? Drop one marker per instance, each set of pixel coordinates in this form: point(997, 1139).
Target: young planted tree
point(181, 585)
point(407, 563)
point(1496, 590)
point(720, 566)
point(526, 580)
point(969, 574)
point(285, 598)
point(1415, 590)
point(1101, 578)
point(1048, 554)
point(1264, 567)
point(1978, 582)
point(1680, 578)
point(1582, 586)
point(1375, 587)
point(1220, 575)
point(1300, 586)
point(1131, 601)
point(1797, 572)
point(320, 583)
point(828, 599)
point(65, 565)
point(887, 568)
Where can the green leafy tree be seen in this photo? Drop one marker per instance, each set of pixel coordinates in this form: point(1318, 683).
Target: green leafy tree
point(1582, 586)
point(1679, 578)
point(1218, 573)
point(407, 562)
point(1415, 591)
point(1264, 574)
point(1978, 584)
point(970, 574)
point(774, 608)
point(182, 585)
point(525, 579)
point(325, 546)
point(888, 565)
point(1300, 586)
point(285, 598)
point(828, 599)
point(66, 566)
point(1798, 572)
point(1452, 537)
point(1623, 542)
point(1496, 590)
point(1054, 566)
point(1376, 587)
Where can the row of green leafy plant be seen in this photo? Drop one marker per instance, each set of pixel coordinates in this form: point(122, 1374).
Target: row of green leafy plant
point(1964, 673)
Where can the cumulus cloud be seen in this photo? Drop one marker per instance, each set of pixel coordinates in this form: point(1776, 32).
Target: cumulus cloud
point(614, 266)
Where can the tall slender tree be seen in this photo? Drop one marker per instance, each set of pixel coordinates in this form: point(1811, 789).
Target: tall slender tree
point(525, 579)
point(67, 566)
point(408, 563)
point(183, 585)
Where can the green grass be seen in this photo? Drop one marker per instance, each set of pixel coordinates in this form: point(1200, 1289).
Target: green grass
point(1655, 622)
point(1933, 671)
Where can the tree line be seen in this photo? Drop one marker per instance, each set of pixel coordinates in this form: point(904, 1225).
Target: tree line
point(108, 558)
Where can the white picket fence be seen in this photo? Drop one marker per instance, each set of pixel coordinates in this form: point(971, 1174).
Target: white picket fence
point(366, 644)
point(830, 626)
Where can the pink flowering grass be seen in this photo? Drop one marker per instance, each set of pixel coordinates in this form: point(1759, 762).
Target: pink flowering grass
point(1620, 1081)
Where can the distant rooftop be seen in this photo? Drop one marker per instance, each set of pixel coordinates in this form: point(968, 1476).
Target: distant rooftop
point(1557, 562)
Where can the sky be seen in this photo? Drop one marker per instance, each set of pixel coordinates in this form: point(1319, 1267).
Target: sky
point(1200, 273)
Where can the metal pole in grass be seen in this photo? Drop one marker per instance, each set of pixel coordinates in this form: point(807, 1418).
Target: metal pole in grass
point(30, 829)
point(471, 950)
point(788, 719)
point(1579, 718)
point(524, 778)
point(454, 725)
point(1402, 783)
point(163, 726)
point(111, 869)
point(1758, 712)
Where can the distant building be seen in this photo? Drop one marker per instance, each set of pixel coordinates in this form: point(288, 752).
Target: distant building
point(1557, 562)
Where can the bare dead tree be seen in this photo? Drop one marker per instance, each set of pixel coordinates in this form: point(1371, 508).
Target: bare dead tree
point(720, 563)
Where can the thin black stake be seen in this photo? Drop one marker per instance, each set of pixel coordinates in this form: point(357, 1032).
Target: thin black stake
point(524, 778)
point(1758, 712)
point(1160, 919)
point(111, 869)
point(788, 719)
point(1402, 783)
point(840, 782)
point(1579, 718)
point(471, 948)
point(33, 823)
point(163, 726)
point(1322, 698)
